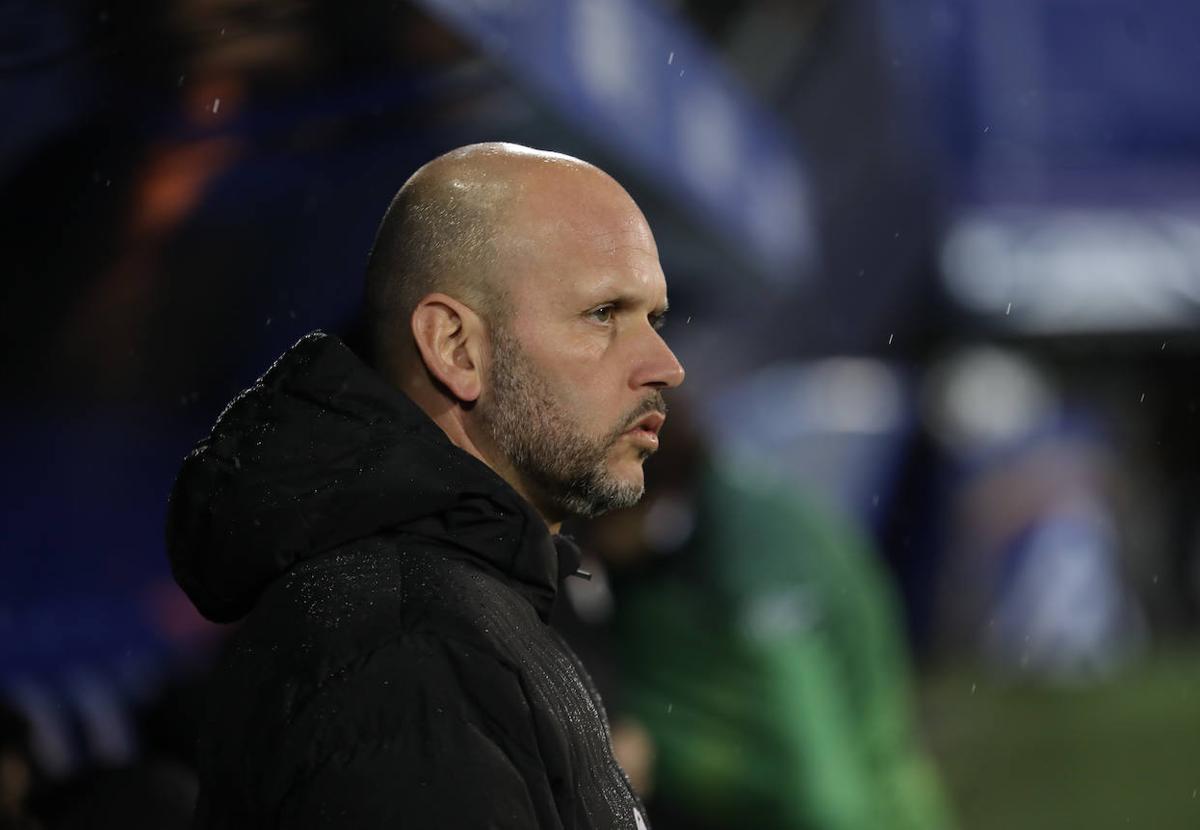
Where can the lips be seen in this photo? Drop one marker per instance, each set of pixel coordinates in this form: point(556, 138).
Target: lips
point(650, 423)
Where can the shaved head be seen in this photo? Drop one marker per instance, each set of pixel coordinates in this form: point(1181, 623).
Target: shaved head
point(448, 231)
point(515, 296)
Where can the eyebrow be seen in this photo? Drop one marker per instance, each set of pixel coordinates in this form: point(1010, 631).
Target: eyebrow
point(628, 300)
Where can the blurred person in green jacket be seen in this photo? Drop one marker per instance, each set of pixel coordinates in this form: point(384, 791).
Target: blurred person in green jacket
point(758, 646)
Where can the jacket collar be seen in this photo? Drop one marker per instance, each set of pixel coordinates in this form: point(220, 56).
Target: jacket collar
point(321, 451)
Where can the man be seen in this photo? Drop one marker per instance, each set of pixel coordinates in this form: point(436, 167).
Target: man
point(389, 535)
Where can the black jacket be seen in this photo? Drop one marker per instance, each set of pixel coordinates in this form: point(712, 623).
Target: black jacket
point(394, 666)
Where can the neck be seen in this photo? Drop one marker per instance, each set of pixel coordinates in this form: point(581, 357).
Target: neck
point(453, 419)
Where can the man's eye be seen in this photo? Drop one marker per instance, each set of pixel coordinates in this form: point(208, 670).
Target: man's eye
point(603, 314)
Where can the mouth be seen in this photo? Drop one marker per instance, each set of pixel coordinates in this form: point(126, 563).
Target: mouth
point(648, 426)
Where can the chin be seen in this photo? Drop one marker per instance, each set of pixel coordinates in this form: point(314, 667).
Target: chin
point(629, 472)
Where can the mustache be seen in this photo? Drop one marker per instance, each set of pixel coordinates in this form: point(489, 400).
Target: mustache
point(654, 403)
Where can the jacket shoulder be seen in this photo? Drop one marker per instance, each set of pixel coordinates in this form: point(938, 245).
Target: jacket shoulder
point(371, 652)
point(332, 610)
point(421, 727)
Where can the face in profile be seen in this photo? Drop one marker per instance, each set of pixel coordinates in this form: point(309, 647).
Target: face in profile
point(557, 454)
point(573, 396)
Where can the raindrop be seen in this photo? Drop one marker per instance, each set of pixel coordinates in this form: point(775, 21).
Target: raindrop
point(216, 105)
point(891, 337)
point(670, 706)
point(1142, 399)
point(1008, 310)
point(670, 59)
point(987, 129)
point(681, 71)
point(689, 319)
point(268, 321)
point(972, 688)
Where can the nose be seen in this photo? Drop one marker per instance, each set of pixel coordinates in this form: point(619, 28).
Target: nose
point(658, 367)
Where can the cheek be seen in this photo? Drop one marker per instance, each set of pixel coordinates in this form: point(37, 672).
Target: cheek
point(588, 407)
point(578, 373)
point(571, 373)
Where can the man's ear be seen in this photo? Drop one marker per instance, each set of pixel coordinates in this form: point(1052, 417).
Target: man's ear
point(449, 337)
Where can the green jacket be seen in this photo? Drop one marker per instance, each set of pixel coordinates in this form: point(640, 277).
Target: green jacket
point(767, 660)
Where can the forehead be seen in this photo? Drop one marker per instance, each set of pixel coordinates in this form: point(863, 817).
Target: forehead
point(579, 244)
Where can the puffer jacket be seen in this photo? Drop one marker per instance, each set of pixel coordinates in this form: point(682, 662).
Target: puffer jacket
point(393, 666)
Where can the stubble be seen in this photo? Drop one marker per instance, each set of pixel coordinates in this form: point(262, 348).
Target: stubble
point(552, 453)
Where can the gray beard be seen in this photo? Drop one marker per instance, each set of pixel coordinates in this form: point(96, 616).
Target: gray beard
point(554, 457)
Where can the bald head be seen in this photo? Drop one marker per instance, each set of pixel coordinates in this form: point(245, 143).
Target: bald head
point(455, 227)
point(515, 296)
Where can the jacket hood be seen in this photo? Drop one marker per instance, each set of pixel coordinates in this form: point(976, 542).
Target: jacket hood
point(321, 451)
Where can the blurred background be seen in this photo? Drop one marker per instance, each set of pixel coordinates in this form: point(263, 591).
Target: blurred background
point(925, 552)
